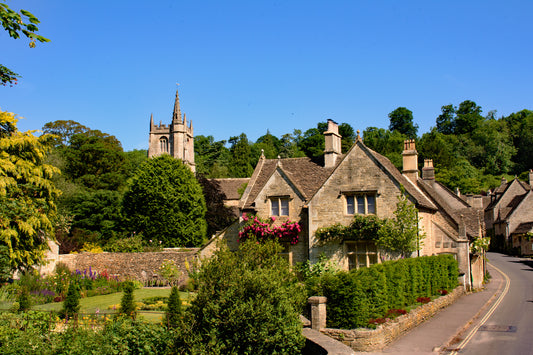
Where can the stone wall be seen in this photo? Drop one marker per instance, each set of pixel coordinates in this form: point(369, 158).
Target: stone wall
point(138, 266)
point(370, 340)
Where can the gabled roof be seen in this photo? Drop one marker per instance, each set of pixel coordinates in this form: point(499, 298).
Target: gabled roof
point(230, 187)
point(453, 206)
point(420, 199)
point(306, 175)
point(501, 190)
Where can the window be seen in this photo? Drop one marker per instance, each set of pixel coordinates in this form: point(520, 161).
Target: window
point(279, 206)
point(163, 145)
point(361, 254)
point(361, 204)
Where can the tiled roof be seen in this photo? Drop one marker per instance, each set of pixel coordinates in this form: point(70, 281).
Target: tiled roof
point(410, 188)
point(304, 173)
point(230, 187)
point(455, 207)
point(523, 228)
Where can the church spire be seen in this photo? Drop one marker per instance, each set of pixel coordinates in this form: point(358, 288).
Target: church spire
point(176, 116)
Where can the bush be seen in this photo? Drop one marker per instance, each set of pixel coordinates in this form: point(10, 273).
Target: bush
point(24, 300)
point(127, 306)
point(247, 302)
point(71, 306)
point(173, 313)
point(356, 297)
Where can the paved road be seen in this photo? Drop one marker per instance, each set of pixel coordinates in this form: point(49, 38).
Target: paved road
point(507, 327)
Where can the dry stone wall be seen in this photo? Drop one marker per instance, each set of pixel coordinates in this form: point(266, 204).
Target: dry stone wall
point(138, 266)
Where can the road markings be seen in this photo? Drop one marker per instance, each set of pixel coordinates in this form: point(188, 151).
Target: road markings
point(487, 316)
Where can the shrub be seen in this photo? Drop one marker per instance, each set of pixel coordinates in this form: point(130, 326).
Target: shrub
point(71, 306)
point(247, 302)
point(173, 313)
point(24, 300)
point(127, 306)
point(132, 244)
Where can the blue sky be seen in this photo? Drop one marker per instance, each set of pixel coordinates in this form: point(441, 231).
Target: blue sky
point(253, 66)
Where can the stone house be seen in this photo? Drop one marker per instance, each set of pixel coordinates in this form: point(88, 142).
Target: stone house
point(508, 217)
point(322, 193)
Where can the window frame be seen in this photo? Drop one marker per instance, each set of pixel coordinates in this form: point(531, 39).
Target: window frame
point(282, 204)
point(353, 257)
point(353, 199)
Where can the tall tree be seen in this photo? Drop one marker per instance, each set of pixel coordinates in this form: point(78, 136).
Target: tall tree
point(27, 193)
point(241, 159)
point(17, 24)
point(401, 120)
point(446, 120)
point(165, 202)
point(64, 130)
point(468, 117)
point(385, 142)
point(211, 156)
point(95, 160)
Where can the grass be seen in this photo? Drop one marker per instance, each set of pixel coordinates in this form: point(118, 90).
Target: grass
point(103, 302)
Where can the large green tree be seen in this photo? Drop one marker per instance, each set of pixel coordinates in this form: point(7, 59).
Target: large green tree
point(241, 157)
point(16, 24)
point(401, 120)
point(63, 130)
point(165, 202)
point(27, 194)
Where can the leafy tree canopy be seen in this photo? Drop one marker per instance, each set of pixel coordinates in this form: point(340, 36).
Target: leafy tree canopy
point(27, 193)
point(165, 202)
point(401, 120)
point(17, 24)
point(64, 130)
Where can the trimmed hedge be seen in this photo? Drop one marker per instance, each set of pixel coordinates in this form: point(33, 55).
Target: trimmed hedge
point(357, 296)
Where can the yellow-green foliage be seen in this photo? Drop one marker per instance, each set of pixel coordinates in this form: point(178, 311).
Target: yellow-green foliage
point(26, 193)
point(92, 248)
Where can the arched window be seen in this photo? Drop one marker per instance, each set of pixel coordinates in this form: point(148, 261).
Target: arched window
point(163, 145)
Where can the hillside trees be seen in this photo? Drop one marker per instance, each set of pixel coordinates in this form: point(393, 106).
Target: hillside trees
point(401, 121)
point(165, 202)
point(27, 194)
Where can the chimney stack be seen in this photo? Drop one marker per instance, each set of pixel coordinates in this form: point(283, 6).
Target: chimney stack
point(531, 177)
point(332, 144)
point(428, 171)
point(410, 160)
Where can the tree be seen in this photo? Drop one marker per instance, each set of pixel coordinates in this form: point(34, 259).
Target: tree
point(95, 160)
point(241, 165)
point(173, 313)
point(385, 142)
point(165, 202)
point(248, 301)
point(27, 193)
point(401, 120)
point(400, 235)
point(127, 306)
point(468, 117)
point(15, 25)
point(218, 216)
point(446, 120)
point(64, 130)
point(71, 306)
point(211, 156)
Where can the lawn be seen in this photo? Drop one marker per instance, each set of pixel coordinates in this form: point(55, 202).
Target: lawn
point(102, 303)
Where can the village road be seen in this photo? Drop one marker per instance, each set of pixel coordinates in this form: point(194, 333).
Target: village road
point(507, 327)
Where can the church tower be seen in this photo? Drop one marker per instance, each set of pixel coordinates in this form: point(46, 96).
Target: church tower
point(176, 139)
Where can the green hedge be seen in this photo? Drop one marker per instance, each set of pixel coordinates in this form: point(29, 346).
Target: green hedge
point(357, 296)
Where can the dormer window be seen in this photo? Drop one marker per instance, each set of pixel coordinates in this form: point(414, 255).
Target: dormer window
point(279, 206)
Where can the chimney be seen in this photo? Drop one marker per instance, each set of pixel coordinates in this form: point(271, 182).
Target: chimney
point(410, 160)
point(531, 177)
point(428, 172)
point(333, 144)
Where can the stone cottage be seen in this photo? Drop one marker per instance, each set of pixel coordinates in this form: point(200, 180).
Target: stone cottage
point(508, 217)
point(322, 193)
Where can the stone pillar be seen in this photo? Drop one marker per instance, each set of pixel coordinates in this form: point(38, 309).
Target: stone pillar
point(318, 312)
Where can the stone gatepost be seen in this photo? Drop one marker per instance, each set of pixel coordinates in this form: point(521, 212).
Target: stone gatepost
point(318, 312)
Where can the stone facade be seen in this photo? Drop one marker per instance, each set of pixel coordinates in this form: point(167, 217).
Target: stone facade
point(360, 181)
point(176, 139)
